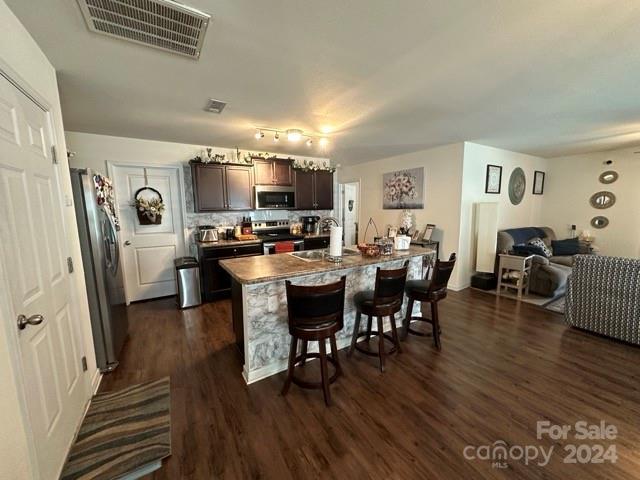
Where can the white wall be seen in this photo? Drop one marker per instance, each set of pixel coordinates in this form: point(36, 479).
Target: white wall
point(443, 187)
point(570, 183)
point(527, 213)
point(21, 58)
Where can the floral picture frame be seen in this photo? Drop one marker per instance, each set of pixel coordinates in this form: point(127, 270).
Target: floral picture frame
point(403, 189)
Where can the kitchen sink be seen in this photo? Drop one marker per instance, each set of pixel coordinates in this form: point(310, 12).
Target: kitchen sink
point(318, 255)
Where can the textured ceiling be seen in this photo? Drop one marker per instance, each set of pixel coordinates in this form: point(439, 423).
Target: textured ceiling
point(539, 77)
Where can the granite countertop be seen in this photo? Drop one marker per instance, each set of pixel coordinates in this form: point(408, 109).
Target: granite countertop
point(266, 268)
point(227, 243)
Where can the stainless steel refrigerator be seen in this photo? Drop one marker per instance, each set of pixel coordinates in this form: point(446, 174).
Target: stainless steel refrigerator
point(99, 241)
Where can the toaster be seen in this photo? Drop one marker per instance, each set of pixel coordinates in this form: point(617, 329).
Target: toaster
point(207, 234)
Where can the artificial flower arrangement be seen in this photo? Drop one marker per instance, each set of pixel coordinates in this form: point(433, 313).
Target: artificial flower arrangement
point(313, 166)
point(149, 210)
point(406, 222)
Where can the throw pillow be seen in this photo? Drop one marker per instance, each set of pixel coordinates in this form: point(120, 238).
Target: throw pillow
point(526, 250)
point(538, 242)
point(570, 246)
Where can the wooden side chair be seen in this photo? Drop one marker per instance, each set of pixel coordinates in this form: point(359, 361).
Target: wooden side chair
point(428, 291)
point(316, 313)
point(385, 300)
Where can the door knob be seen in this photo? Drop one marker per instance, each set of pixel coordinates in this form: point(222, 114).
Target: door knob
point(23, 321)
point(127, 243)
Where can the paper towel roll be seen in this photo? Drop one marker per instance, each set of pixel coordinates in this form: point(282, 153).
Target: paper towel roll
point(335, 242)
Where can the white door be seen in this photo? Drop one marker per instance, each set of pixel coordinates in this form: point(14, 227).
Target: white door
point(349, 212)
point(33, 252)
point(149, 250)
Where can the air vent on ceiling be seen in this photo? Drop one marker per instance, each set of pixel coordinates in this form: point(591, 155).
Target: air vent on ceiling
point(215, 106)
point(162, 24)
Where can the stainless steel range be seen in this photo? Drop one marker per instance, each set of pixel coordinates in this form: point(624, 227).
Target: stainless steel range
point(276, 237)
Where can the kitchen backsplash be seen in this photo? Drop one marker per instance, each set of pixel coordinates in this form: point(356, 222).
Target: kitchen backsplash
point(232, 218)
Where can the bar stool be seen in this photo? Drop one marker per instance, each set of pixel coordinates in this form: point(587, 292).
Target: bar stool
point(384, 301)
point(431, 291)
point(315, 314)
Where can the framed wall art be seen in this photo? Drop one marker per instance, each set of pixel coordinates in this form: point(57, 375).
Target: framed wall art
point(493, 181)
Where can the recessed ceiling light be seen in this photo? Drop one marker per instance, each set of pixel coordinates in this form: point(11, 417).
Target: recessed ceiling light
point(215, 106)
point(294, 135)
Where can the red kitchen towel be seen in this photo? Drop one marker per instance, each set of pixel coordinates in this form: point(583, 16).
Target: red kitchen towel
point(284, 247)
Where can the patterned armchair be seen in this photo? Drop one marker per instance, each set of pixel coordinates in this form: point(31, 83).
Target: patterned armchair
point(603, 296)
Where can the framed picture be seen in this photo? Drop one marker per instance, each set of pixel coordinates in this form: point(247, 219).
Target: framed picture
point(493, 181)
point(403, 189)
point(538, 183)
point(415, 235)
point(428, 231)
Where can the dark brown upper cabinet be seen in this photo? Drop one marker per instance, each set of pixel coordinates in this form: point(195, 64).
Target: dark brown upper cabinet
point(222, 187)
point(314, 190)
point(273, 171)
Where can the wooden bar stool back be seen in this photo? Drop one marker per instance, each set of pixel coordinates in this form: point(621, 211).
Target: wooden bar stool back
point(384, 301)
point(429, 291)
point(315, 314)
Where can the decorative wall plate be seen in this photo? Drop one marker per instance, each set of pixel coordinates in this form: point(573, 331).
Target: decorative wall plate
point(517, 185)
point(608, 177)
point(602, 200)
point(599, 222)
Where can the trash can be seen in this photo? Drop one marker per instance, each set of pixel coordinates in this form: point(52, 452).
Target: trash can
point(188, 282)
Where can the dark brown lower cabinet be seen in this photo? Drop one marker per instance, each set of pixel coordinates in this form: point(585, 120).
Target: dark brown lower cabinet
point(215, 281)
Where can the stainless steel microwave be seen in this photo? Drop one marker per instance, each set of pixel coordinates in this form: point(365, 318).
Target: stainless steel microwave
point(272, 197)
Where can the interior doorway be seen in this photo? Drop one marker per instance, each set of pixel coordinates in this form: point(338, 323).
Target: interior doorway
point(349, 210)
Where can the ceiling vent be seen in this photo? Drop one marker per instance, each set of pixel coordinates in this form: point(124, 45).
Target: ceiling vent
point(162, 24)
point(215, 106)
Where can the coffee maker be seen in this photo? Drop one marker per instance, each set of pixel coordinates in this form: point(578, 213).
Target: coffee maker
point(310, 224)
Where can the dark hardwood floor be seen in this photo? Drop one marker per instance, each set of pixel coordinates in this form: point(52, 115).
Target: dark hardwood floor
point(503, 366)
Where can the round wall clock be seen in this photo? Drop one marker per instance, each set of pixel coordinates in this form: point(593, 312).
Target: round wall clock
point(517, 186)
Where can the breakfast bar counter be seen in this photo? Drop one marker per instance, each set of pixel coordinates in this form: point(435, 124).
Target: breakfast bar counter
point(259, 300)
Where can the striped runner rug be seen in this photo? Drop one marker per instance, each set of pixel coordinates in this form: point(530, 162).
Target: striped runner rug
point(123, 432)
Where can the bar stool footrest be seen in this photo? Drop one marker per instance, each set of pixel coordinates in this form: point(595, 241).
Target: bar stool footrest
point(416, 332)
point(375, 353)
point(316, 385)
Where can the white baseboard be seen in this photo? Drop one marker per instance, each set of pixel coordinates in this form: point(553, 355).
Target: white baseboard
point(95, 381)
point(457, 288)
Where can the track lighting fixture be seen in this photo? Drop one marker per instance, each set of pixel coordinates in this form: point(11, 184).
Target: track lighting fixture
point(293, 135)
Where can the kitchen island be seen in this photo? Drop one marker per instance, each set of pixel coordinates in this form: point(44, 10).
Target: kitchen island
point(259, 299)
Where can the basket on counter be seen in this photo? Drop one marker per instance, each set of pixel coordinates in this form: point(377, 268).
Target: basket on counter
point(370, 249)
